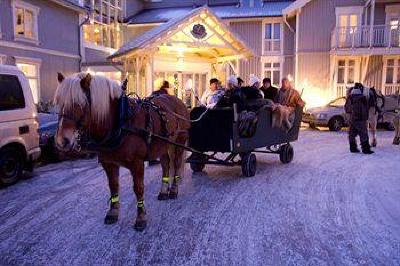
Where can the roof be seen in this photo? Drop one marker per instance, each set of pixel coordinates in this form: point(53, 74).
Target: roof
point(156, 33)
point(294, 6)
point(71, 4)
point(160, 15)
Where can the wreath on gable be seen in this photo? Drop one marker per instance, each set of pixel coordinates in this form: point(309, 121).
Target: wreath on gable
point(199, 31)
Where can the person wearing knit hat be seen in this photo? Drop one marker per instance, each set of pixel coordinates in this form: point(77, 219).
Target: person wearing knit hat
point(232, 82)
point(254, 81)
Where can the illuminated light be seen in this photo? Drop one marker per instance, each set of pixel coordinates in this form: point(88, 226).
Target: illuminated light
point(314, 96)
point(290, 78)
point(96, 30)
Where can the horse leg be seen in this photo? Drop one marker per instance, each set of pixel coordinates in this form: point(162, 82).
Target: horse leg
point(164, 191)
point(373, 121)
point(112, 172)
point(137, 172)
point(178, 166)
point(396, 123)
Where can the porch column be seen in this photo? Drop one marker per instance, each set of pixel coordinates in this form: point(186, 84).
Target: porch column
point(371, 23)
point(237, 67)
point(137, 76)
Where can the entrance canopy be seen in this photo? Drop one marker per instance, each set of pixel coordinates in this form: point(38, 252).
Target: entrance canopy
point(198, 34)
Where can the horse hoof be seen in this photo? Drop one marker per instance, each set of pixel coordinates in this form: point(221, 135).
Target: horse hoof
point(173, 195)
point(374, 143)
point(140, 226)
point(110, 219)
point(163, 196)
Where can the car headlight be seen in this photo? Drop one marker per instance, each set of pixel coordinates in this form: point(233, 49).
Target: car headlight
point(321, 116)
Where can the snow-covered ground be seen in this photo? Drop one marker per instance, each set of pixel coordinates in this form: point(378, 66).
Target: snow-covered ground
point(328, 207)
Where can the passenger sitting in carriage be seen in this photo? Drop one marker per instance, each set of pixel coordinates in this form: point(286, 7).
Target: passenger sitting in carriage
point(284, 110)
point(239, 95)
point(212, 95)
point(162, 90)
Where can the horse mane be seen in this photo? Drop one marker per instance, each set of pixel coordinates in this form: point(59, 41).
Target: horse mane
point(69, 94)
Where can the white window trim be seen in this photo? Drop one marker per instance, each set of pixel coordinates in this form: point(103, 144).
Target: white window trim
point(357, 69)
point(349, 10)
point(32, 61)
point(392, 11)
point(396, 71)
point(269, 21)
point(35, 10)
point(272, 59)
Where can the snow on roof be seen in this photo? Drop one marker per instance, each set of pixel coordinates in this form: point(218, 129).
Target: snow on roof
point(72, 4)
point(150, 36)
point(159, 15)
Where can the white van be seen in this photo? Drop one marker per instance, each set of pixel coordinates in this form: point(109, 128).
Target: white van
point(19, 138)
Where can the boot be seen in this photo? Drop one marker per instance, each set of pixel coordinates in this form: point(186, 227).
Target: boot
point(366, 148)
point(353, 147)
point(396, 141)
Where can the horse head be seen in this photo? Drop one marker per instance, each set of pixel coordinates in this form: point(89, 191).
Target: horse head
point(84, 103)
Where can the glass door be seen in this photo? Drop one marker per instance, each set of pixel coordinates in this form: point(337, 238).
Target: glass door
point(348, 29)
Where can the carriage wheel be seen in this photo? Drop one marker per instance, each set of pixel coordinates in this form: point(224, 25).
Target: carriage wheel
point(197, 167)
point(286, 153)
point(249, 164)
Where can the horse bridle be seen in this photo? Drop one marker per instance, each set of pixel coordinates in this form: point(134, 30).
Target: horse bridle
point(82, 131)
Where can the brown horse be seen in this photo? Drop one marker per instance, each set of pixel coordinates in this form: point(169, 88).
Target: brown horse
point(89, 104)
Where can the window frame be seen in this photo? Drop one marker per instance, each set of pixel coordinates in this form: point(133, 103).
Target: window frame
point(396, 70)
point(35, 17)
point(23, 98)
point(37, 63)
point(272, 61)
point(104, 20)
point(272, 21)
point(357, 70)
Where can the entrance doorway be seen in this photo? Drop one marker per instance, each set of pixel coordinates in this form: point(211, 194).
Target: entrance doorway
point(187, 86)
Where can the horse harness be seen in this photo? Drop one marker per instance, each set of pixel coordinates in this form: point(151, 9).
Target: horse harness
point(122, 128)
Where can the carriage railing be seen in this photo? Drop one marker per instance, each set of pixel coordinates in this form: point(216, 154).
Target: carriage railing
point(363, 37)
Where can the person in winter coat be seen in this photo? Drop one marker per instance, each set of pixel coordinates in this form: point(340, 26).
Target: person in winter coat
point(270, 92)
point(357, 107)
point(162, 90)
point(212, 95)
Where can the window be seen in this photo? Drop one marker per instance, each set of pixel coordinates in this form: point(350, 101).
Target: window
point(2, 59)
point(272, 70)
point(346, 71)
point(272, 37)
point(348, 22)
point(104, 29)
point(392, 71)
point(25, 21)
point(31, 71)
point(11, 94)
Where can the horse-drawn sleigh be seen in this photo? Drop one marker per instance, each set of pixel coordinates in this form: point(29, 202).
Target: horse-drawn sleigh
point(218, 131)
point(96, 115)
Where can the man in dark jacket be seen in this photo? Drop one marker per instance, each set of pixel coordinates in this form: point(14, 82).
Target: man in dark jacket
point(357, 107)
point(270, 92)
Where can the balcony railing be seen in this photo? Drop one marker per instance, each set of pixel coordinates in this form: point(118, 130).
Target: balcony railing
point(391, 89)
point(363, 37)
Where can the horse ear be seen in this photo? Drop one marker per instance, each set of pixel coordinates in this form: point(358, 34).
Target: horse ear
point(85, 82)
point(60, 77)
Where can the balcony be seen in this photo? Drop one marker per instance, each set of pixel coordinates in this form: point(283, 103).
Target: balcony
point(381, 36)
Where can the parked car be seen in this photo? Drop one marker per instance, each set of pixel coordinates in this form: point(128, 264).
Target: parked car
point(48, 123)
point(19, 138)
point(334, 116)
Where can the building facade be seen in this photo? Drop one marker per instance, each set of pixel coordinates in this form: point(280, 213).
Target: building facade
point(41, 38)
point(324, 46)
